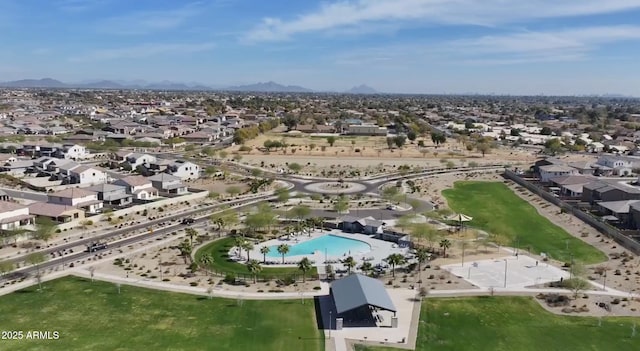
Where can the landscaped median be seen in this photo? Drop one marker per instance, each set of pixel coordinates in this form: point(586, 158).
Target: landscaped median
point(223, 264)
point(497, 210)
point(514, 323)
point(103, 316)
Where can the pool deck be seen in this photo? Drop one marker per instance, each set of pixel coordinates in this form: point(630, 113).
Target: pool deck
point(380, 249)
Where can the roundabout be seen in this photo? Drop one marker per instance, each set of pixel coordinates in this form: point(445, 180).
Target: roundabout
point(336, 187)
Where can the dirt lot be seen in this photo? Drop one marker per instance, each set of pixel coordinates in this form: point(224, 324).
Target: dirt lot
point(314, 153)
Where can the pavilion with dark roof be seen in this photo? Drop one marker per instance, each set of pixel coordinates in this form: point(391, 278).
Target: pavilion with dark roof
point(358, 301)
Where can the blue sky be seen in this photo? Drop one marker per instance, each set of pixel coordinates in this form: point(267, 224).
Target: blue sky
point(403, 46)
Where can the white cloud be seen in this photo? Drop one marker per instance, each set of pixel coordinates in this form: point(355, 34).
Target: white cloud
point(349, 13)
point(142, 51)
point(147, 22)
point(560, 45)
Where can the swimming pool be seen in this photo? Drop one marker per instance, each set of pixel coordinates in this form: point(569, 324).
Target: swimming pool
point(335, 246)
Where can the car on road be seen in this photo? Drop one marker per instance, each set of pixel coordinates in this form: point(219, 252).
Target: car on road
point(188, 221)
point(96, 247)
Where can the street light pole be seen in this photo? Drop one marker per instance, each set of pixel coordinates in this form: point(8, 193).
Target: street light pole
point(505, 273)
point(330, 323)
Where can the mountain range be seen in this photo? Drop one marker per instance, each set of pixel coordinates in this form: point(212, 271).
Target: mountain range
point(167, 85)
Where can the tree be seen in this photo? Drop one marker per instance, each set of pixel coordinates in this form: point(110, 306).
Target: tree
point(282, 194)
point(238, 242)
point(185, 250)
point(247, 246)
point(205, 262)
point(545, 131)
point(412, 135)
point(256, 172)
point(331, 140)
point(191, 233)
point(290, 121)
point(301, 212)
point(223, 154)
point(5, 267)
point(283, 249)
point(44, 229)
point(254, 267)
point(444, 245)
point(424, 231)
point(294, 167)
point(341, 205)
point(209, 171)
point(394, 260)
point(366, 267)
point(304, 265)
point(264, 251)
point(390, 193)
point(233, 190)
point(36, 259)
point(483, 147)
point(390, 142)
point(438, 138)
point(422, 255)
point(553, 146)
point(399, 141)
point(350, 263)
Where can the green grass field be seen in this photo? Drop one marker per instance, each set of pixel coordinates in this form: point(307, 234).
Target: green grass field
point(93, 316)
point(219, 250)
point(514, 324)
point(496, 209)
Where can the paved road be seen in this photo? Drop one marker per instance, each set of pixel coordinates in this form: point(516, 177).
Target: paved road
point(238, 204)
point(25, 194)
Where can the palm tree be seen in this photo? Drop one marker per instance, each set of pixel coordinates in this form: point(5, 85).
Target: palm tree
point(254, 268)
point(350, 263)
point(422, 255)
point(283, 249)
point(247, 246)
point(304, 265)
point(394, 260)
point(238, 242)
point(264, 251)
point(191, 233)
point(444, 245)
point(185, 250)
point(205, 261)
point(366, 267)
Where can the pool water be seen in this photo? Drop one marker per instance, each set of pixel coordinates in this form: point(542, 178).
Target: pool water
point(335, 246)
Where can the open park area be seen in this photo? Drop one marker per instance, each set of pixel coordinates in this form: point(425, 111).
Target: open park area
point(514, 323)
point(497, 210)
point(104, 316)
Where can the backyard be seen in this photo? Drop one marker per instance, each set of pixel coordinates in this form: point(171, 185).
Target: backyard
point(514, 323)
point(222, 264)
point(95, 316)
point(496, 209)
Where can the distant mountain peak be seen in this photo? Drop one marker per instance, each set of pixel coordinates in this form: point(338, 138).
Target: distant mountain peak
point(362, 89)
point(270, 86)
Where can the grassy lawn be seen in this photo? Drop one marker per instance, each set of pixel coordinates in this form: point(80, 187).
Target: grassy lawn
point(219, 250)
point(93, 316)
point(514, 323)
point(496, 209)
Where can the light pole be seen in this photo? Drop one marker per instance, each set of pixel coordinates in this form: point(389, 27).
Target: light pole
point(505, 273)
point(330, 323)
point(604, 281)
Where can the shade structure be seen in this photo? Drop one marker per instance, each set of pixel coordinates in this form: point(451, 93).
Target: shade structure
point(460, 217)
point(357, 290)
